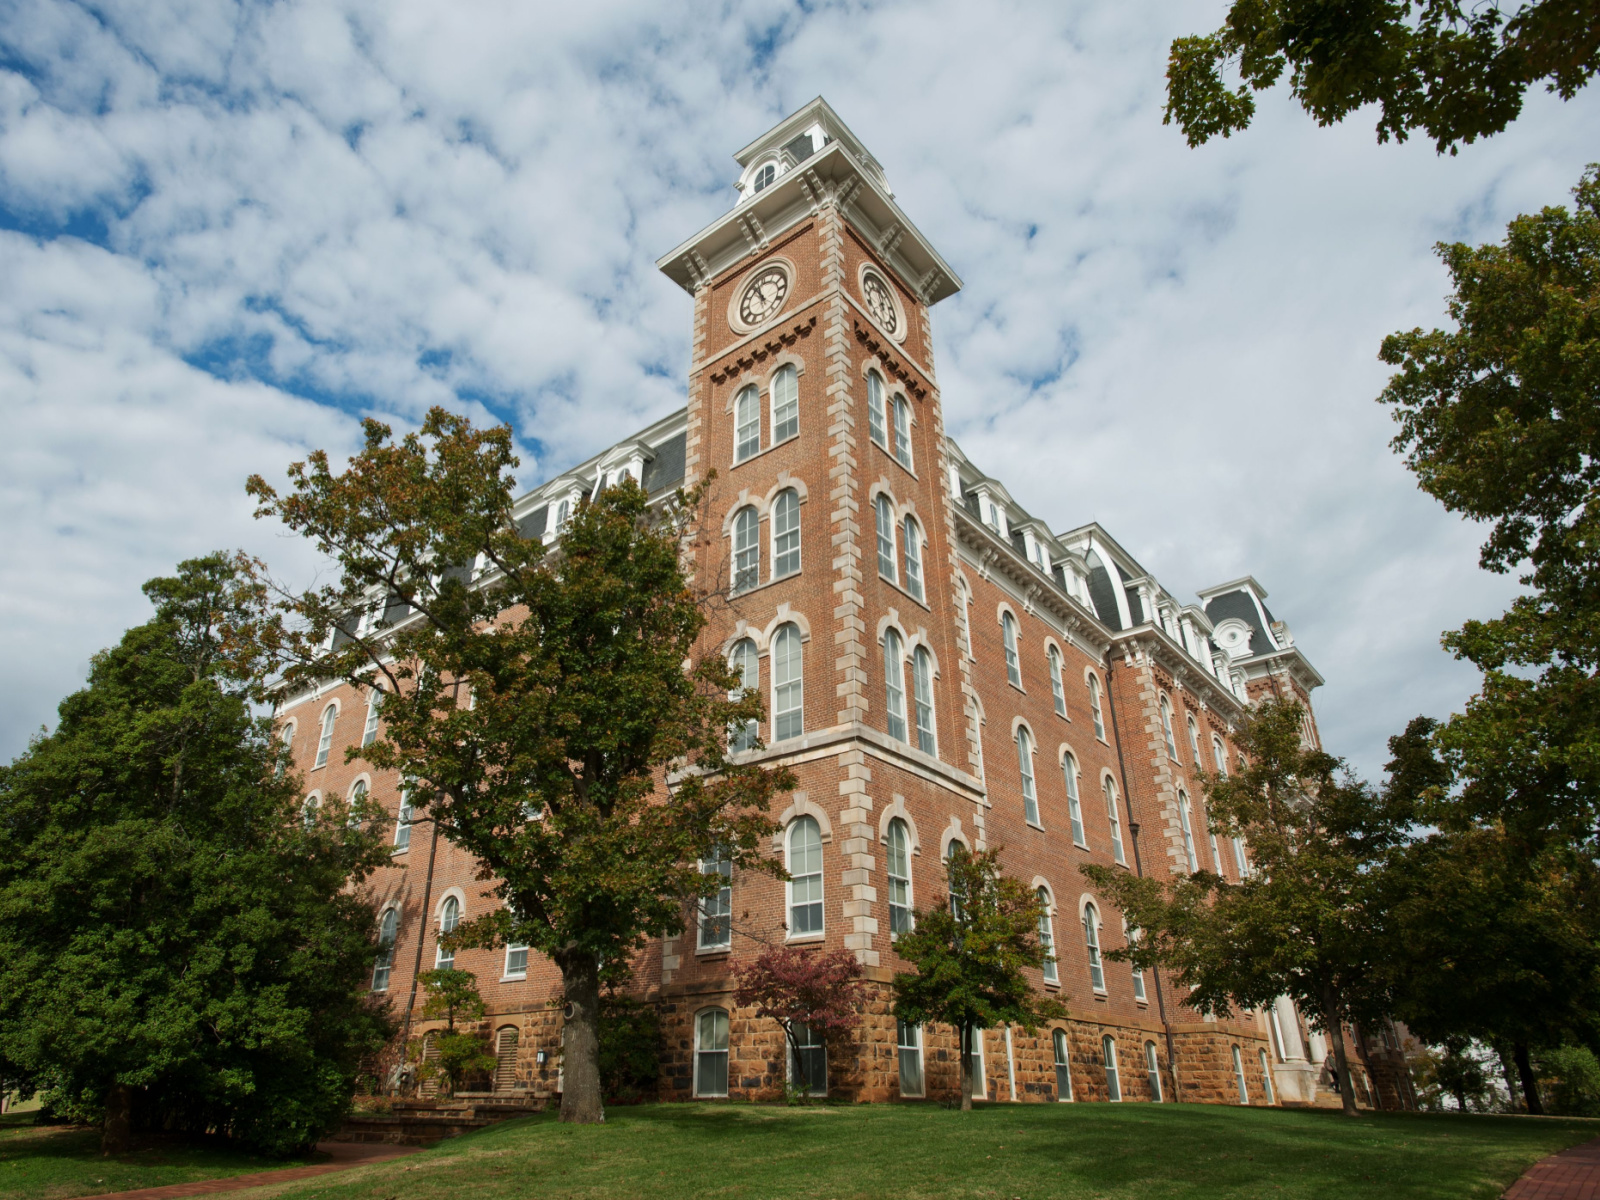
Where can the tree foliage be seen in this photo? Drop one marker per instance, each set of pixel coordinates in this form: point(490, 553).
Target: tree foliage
point(458, 1054)
point(970, 955)
point(1301, 922)
point(179, 948)
point(1456, 71)
point(556, 718)
point(815, 989)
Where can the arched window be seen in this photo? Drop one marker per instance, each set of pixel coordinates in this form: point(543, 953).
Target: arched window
point(1069, 773)
point(716, 910)
point(449, 918)
point(785, 533)
point(884, 517)
point(358, 799)
point(1114, 819)
point(894, 684)
point(951, 851)
point(1266, 1077)
point(1238, 1076)
point(1057, 693)
point(747, 424)
point(1091, 940)
point(788, 686)
point(1094, 707)
point(1188, 831)
point(808, 1068)
point(1131, 936)
point(899, 878)
point(785, 404)
point(910, 1039)
point(1194, 739)
point(1108, 1051)
point(911, 536)
point(388, 928)
point(922, 699)
point(1047, 937)
point(902, 432)
point(711, 1053)
point(1241, 864)
point(308, 809)
point(402, 824)
point(743, 662)
point(1030, 801)
point(1211, 839)
point(875, 420)
point(287, 738)
point(325, 743)
point(746, 549)
point(1008, 633)
point(1220, 755)
point(763, 180)
point(1152, 1071)
point(1058, 1042)
point(805, 877)
point(370, 733)
point(1166, 729)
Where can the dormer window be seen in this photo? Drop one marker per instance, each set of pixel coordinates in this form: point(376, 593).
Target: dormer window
point(764, 177)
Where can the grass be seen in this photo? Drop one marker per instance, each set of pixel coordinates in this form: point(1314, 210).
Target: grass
point(1026, 1152)
point(55, 1162)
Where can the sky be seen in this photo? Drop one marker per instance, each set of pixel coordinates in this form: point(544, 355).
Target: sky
point(230, 231)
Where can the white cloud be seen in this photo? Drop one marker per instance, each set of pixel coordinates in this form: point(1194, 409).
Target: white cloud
point(350, 207)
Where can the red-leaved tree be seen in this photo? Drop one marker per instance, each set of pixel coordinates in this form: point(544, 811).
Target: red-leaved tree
point(816, 989)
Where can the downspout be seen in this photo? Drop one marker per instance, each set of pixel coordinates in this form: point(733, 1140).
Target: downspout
point(1138, 865)
point(422, 936)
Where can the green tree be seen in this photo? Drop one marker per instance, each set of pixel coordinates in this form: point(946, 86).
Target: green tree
point(459, 1054)
point(1454, 1070)
point(558, 719)
point(179, 948)
point(1302, 922)
point(970, 953)
point(630, 1047)
point(1570, 1076)
point(1456, 71)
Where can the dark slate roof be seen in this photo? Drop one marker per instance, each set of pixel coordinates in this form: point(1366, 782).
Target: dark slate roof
point(666, 468)
point(1105, 600)
point(1135, 604)
point(395, 610)
point(1019, 543)
point(1240, 605)
point(532, 526)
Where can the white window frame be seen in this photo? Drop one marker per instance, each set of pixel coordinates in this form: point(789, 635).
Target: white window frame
point(1071, 777)
point(718, 907)
point(914, 1048)
point(883, 521)
point(1047, 935)
point(1030, 793)
point(877, 424)
point(511, 972)
point(1091, 942)
point(911, 549)
point(819, 897)
point(785, 524)
point(701, 1053)
point(1008, 635)
point(388, 937)
point(1170, 738)
point(980, 1072)
point(1061, 1052)
point(922, 700)
point(1238, 1076)
point(330, 715)
point(1058, 693)
point(1152, 1070)
point(812, 1042)
point(746, 550)
point(788, 683)
point(746, 424)
point(1130, 936)
point(894, 685)
point(901, 413)
point(897, 861)
point(1108, 1053)
point(785, 409)
point(1194, 738)
point(449, 918)
point(403, 821)
point(1114, 819)
point(745, 660)
point(1185, 823)
point(1266, 1079)
point(369, 731)
point(1096, 712)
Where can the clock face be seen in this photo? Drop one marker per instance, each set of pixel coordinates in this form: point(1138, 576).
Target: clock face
point(880, 303)
point(764, 295)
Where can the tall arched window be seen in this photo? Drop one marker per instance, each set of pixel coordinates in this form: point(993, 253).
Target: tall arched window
point(805, 877)
point(744, 663)
point(1266, 1077)
point(358, 800)
point(1114, 819)
point(402, 824)
point(1069, 773)
point(1008, 633)
point(563, 514)
point(449, 918)
point(1058, 1043)
point(899, 878)
point(1058, 694)
point(785, 533)
point(950, 852)
point(1241, 864)
point(910, 1039)
point(1152, 1071)
point(716, 910)
point(1194, 739)
point(884, 517)
point(1108, 1051)
point(287, 738)
point(788, 684)
point(894, 684)
point(711, 1053)
point(911, 537)
point(785, 404)
point(325, 743)
point(902, 432)
point(1220, 755)
point(875, 417)
point(746, 549)
point(922, 699)
point(1131, 936)
point(747, 424)
point(1238, 1076)
point(1030, 801)
point(388, 927)
point(1094, 707)
point(1166, 729)
point(369, 734)
point(1211, 839)
point(1091, 940)
point(1047, 937)
point(1187, 826)
point(308, 809)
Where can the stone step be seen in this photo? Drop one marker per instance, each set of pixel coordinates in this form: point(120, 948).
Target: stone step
point(417, 1128)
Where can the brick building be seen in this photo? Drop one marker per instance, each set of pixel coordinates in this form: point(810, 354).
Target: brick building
point(939, 666)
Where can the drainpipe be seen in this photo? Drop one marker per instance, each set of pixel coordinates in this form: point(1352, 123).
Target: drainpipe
point(422, 936)
point(1138, 865)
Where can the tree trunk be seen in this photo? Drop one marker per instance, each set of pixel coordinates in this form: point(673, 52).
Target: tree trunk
point(1513, 1091)
point(966, 1067)
point(1461, 1099)
point(581, 1101)
point(1530, 1085)
point(1341, 1064)
point(116, 1136)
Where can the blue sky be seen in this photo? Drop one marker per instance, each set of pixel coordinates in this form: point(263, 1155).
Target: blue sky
point(229, 231)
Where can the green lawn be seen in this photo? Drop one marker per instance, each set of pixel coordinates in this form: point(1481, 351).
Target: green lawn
point(1098, 1151)
point(53, 1163)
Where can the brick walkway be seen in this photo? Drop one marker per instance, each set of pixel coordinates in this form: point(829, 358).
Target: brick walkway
point(345, 1155)
point(1571, 1175)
